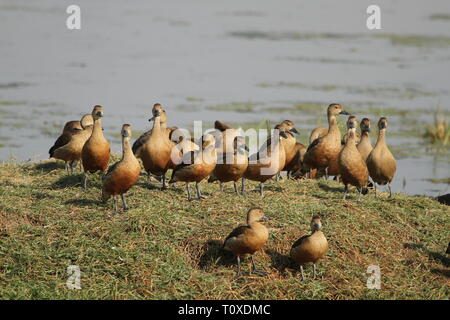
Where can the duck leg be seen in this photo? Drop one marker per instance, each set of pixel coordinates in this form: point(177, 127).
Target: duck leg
point(360, 194)
point(116, 209)
point(67, 167)
point(326, 173)
point(85, 180)
point(124, 201)
point(243, 186)
point(221, 186)
point(261, 189)
point(375, 188)
point(314, 271)
point(199, 194)
point(345, 192)
point(188, 191)
point(235, 187)
point(164, 186)
point(303, 274)
point(255, 270)
point(238, 274)
point(390, 191)
point(277, 179)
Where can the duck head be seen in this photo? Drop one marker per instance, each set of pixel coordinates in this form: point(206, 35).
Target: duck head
point(352, 123)
point(87, 120)
point(335, 109)
point(290, 126)
point(72, 126)
point(256, 215)
point(158, 111)
point(365, 125)
point(97, 112)
point(316, 223)
point(126, 132)
point(382, 123)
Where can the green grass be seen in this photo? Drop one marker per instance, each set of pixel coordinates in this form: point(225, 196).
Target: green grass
point(166, 247)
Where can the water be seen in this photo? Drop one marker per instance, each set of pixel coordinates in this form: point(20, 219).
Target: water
point(199, 57)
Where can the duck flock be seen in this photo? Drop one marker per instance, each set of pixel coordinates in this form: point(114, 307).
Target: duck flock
point(222, 155)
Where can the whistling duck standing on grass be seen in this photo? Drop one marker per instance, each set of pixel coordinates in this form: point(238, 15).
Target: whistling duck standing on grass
point(352, 167)
point(293, 149)
point(196, 166)
point(70, 152)
point(365, 145)
point(267, 162)
point(123, 174)
point(156, 150)
point(70, 128)
point(380, 162)
point(232, 160)
point(96, 150)
point(231, 166)
point(248, 239)
point(310, 248)
point(323, 153)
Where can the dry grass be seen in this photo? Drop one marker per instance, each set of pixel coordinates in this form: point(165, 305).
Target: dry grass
point(168, 248)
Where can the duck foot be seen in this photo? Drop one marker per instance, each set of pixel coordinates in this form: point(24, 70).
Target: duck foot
point(260, 272)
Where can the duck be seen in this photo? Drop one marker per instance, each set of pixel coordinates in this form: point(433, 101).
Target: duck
point(380, 162)
point(267, 162)
point(448, 248)
point(96, 150)
point(231, 166)
point(70, 129)
point(294, 150)
point(123, 174)
point(310, 248)
point(70, 152)
point(196, 166)
point(249, 238)
point(156, 150)
point(323, 153)
point(352, 167)
point(365, 145)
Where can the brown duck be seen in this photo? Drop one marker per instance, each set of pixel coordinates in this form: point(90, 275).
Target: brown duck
point(310, 248)
point(380, 162)
point(70, 128)
point(267, 162)
point(323, 153)
point(365, 145)
point(155, 153)
point(70, 152)
point(352, 167)
point(231, 166)
point(96, 150)
point(248, 239)
point(123, 174)
point(196, 166)
point(293, 149)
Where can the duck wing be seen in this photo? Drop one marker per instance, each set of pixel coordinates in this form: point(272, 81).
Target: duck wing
point(141, 141)
point(61, 141)
point(236, 233)
point(299, 241)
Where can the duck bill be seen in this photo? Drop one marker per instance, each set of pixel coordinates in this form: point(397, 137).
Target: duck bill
point(344, 112)
point(283, 134)
point(293, 130)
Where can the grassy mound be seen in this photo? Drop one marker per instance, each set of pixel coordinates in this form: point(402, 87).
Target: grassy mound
point(166, 247)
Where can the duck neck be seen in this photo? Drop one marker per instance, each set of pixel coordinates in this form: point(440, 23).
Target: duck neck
point(97, 130)
point(332, 124)
point(381, 137)
point(127, 152)
point(351, 137)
